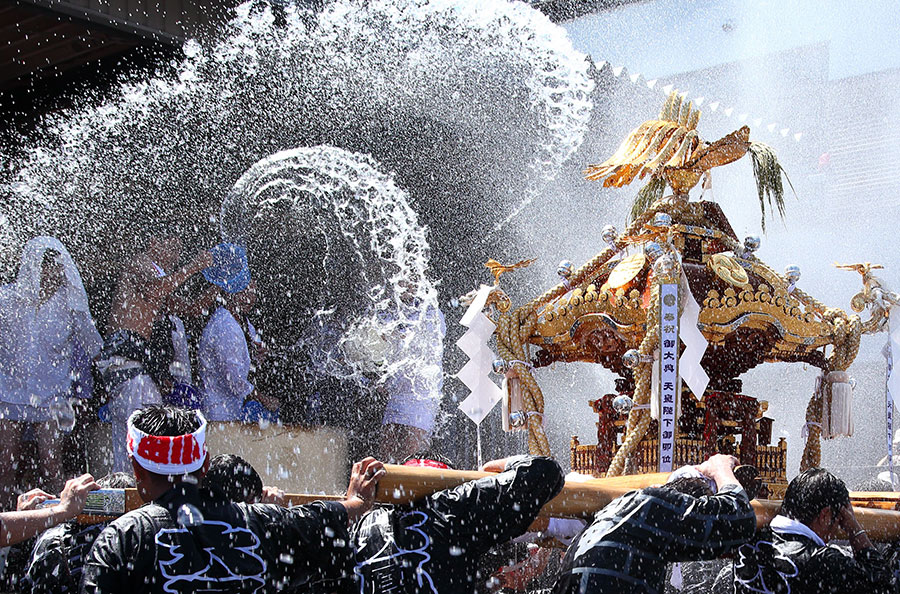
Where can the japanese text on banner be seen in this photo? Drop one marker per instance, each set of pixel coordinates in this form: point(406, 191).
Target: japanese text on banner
point(668, 373)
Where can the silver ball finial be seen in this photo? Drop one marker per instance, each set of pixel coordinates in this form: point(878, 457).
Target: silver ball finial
point(752, 243)
point(653, 250)
point(792, 274)
point(500, 366)
point(631, 359)
point(609, 234)
point(622, 404)
point(517, 418)
point(662, 219)
point(565, 268)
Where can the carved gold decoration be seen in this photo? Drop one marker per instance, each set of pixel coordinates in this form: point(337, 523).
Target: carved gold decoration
point(722, 314)
point(498, 269)
point(626, 271)
point(858, 302)
point(874, 295)
point(670, 147)
point(728, 270)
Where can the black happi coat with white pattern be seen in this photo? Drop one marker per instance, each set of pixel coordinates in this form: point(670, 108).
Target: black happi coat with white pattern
point(434, 546)
point(626, 548)
point(235, 547)
point(794, 564)
point(57, 557)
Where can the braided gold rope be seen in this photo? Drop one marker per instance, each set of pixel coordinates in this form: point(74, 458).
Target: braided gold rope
point(512, 330)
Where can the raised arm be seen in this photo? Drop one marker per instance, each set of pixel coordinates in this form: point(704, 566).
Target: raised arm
point(159, 288)
point(19, 526)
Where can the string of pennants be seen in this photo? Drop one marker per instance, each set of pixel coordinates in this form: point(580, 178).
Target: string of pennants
point(711, 105)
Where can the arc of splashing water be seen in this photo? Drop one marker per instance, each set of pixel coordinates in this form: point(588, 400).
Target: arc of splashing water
point(504, 77)
point(337, 179)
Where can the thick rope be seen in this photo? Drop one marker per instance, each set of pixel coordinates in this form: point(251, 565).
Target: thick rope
point(512, 330)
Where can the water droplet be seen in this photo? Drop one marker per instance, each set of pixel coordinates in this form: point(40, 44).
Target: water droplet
point(456, 551)
point(189, 516)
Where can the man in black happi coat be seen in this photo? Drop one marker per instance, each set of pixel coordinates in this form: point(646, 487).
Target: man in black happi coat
point(434, 546)
point(626, 548)
point(192, 539)
point(791, 556)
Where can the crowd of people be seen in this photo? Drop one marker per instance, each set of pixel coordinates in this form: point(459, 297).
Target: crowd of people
point(209, 524)
point(53, 359)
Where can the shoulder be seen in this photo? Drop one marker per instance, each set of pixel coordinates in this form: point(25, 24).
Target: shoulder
point(50, 543)
point(327, 511)
point(136, 526)
point(829, 556)
point(539, 466)
point(138, 268)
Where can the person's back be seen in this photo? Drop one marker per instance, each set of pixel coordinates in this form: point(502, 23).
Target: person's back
point(193, 539)
point(791, 556)
point(630, 542)
point(435, 544)
point(224, 367)
point(58, 555)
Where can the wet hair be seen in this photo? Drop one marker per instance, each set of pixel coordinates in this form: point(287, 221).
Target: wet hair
point(812, 491)
point(430, 455)
point(117, 480)
point(234, 477)
point(690, 485)
point(166, 420)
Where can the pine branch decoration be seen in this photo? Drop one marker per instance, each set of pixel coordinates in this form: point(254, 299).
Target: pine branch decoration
point(768, 171)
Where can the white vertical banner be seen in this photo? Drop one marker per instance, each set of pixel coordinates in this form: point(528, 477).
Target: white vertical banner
point(668, 373)
point(892, 385)
point(894, 346)
point(887, 351)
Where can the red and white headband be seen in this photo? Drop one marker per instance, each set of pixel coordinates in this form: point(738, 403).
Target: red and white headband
point(180, 454)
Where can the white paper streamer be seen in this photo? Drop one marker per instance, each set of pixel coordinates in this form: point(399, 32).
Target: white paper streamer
point(889, 411)
point(484, 393)
point(694, 344)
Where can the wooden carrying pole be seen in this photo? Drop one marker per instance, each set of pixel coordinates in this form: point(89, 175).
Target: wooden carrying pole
point(405, 484)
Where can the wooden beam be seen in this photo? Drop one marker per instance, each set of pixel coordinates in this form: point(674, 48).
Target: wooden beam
point(406, 484)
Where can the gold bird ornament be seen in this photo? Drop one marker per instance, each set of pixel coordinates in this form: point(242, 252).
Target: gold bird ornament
point(498, 269)
point(670, 151)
